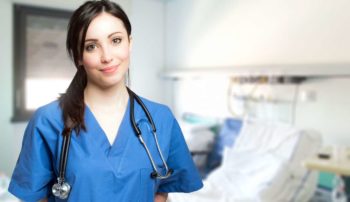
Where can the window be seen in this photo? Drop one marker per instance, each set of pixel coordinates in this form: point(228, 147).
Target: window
point(42, 68)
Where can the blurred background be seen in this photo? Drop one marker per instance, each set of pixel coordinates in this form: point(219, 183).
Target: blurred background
point(240, 75)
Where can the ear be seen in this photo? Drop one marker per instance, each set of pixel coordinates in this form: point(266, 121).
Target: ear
point(130, 43)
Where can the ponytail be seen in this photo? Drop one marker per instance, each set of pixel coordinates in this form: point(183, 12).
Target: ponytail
point(73, 105)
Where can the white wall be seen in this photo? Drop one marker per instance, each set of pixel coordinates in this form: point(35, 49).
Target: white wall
point(7, 136)
point(148, 48)
point(330, 113)
point(147, 21)
point(243, 33)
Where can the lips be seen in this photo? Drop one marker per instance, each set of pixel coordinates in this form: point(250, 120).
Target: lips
point(110, 69)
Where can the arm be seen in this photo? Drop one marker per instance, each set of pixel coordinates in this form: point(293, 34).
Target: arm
point(161, 197)
point(34, 168)
point(185, 177)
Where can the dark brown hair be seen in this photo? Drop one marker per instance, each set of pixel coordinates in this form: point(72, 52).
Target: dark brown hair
point(72, 102)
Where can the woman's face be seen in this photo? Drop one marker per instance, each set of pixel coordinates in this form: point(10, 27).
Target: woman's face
point(106, 52)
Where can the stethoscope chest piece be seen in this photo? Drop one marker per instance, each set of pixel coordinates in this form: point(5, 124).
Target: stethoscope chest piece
point(61, 190)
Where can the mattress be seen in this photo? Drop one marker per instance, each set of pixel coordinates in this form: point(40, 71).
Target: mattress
point(263, 165)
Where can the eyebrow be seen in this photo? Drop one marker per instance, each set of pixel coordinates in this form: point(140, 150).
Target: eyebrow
point(108, 37)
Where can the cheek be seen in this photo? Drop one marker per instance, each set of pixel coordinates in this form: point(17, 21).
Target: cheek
point(123, 53)
point(90, 61)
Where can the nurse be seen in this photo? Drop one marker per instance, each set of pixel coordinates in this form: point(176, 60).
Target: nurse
point(106, 161)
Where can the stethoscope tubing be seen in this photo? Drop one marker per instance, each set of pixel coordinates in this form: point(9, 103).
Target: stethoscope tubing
point(61, 189)
point(64, 155)
point(133, 96)
point(156, 173)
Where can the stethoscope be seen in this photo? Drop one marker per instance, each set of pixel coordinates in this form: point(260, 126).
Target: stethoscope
point(61, 188)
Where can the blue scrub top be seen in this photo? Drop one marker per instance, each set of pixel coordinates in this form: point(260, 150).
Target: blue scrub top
point(97, 170)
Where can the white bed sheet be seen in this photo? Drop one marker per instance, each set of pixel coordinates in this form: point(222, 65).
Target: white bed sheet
point(264, 165)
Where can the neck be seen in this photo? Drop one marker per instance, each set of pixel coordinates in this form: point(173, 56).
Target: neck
point(114, 97)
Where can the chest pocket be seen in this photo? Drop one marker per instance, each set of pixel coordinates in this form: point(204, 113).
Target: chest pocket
point(149, 186)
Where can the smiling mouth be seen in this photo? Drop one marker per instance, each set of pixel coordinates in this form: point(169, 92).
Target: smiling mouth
point(109, 69)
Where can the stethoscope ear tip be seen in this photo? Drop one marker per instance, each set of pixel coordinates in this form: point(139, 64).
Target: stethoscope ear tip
point(154, 175)
point(171, 171)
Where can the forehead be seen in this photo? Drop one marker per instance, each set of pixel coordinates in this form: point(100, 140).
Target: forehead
point(103, 25)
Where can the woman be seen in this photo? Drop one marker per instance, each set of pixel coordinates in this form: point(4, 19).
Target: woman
point(106, 159)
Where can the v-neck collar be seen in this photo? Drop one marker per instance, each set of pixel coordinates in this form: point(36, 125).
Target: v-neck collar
point(100, 137)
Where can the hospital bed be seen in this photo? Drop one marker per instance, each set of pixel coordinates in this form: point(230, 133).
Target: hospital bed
point(264, 164)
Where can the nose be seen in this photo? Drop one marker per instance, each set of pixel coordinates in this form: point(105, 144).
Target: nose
point(106, 56)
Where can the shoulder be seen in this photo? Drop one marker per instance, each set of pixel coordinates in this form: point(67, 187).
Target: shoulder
point(158, 110)
point(164, 120)
point(50, 112)
point(46, 123)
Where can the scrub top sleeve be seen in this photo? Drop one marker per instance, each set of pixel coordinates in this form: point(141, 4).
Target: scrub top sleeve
point(33, 170)
point(185, 177)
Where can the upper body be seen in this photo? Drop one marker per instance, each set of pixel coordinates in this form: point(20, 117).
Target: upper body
point(96, 170)
point(106, 161)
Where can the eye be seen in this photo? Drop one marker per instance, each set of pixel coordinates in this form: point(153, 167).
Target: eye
point(117, 40)
point(90, 47)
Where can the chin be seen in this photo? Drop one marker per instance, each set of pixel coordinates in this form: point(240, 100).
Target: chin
point(112, 84)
